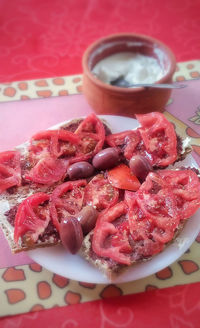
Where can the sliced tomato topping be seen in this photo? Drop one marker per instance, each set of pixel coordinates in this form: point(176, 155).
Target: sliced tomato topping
point(159, 138)
point(185, 186)
point(10, 170)
point(54, 143)
point(111, 241)
point(149, 220)
point(122, 178)
point(32, 218)
point(163, 200)
point(100, 193)
point(127, 140)
point(66, 199)
point(120, 139)
point(92, 136)
point(157, 210)
point(48, 171)
point(140, 226)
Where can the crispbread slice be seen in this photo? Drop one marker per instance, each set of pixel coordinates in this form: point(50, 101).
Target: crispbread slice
point(8, 201)
point(112, 269)
point(101, 263)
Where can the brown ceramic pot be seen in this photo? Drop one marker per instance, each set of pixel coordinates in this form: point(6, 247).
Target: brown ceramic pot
point(108, 99)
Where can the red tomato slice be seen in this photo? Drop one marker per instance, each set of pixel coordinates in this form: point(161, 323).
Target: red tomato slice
point(113, 239)
point(150, 221)
point(100, 193)
point(185, 186)
point(140, 226)
point(119, 139)
point(107, 238)
point(66, 199)
point(159, 138)
point(156, 202)
point(92, 135)
point(10, 170)
point(165, 198)
point(32, 218)
point(48, 171)
point(54, 143)
point(122, 178)
point(127, 140)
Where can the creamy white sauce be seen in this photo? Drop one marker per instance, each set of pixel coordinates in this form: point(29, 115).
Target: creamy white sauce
point(135, 68)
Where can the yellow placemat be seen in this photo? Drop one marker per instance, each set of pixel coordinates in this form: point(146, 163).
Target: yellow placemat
point(68, 85)
point(30, 287)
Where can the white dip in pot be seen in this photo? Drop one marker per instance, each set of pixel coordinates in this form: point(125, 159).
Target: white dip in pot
point(133, 67)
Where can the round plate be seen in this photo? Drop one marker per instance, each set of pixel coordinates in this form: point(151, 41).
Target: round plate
point(58, 260)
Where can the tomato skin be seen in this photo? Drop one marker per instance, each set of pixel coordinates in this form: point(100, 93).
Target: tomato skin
point(48, 171)
point(122, 178)
point(85, 142)
point(119, 139)
point(61, 134)
point(182, 186)
point(92, 136)
point(148, 226)
point(30, 219)
point(66, 206)
point(159, 138)
point(91, 124)
point(128, 140)
point(163, 200)
point(185, 186)
point(100, 193)
point(54, 143)
point(104, 228)
point(10, 170)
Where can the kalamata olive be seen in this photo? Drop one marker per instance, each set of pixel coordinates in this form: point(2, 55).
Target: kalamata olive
point(71, 234)
point(140, 167)
point(87, 218)
point(80, 170)
point(106, 158)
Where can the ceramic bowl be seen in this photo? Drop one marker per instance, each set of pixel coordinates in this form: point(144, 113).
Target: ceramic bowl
point(108, 99)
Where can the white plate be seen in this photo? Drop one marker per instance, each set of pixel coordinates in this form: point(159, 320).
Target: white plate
point(59, 261)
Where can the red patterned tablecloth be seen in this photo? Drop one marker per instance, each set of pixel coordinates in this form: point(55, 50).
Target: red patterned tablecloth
point(47, 39)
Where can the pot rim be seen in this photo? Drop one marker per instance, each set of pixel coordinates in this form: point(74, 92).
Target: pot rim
point(88, 52)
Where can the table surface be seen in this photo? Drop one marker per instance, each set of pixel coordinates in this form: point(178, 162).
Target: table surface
point(47, 39)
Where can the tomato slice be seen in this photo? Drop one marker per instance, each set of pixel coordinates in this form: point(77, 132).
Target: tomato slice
point(107, 238)
point(32, 218)
point(48, 171)
point(150, 224)
point(140, 226)
point(100, 193)
point(122, 178)
point(66, 199)
point(156, 203)
point(10, 170)
point(159, 138)
point(185, 186)
point(119, 139)
point(92, 136)
point(127, 140)
point(54, 143)
point(163, 200)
